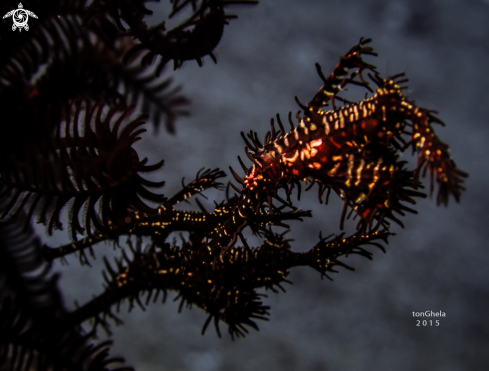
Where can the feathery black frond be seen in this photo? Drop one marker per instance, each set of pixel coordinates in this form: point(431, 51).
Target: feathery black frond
point(97, 165)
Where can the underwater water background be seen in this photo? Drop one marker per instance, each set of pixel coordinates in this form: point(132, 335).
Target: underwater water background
point(363, 320)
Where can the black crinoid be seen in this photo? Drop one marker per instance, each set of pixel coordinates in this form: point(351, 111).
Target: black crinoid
point(69, 91)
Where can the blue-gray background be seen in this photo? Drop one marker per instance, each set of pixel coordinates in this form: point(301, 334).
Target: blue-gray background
point(363, 320)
